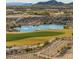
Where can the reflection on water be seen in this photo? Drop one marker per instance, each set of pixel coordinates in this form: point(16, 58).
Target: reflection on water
point(40, 27)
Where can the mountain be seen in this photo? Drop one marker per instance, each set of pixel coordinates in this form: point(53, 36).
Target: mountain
point(51, 2)
point(70, 3)
point(18, 4)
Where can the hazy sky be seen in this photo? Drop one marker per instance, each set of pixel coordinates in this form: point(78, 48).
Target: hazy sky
point(35, 1)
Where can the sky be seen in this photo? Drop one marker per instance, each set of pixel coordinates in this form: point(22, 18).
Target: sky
point(35, 1)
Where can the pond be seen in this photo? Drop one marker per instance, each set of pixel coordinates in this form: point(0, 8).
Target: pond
point(39, 27)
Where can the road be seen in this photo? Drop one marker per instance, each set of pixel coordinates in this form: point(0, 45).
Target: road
point(49, 52)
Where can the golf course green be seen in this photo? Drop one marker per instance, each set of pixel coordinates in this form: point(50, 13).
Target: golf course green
point(13, 37)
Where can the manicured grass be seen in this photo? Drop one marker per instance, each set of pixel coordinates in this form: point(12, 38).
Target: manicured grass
point(29, 41)
point(13, 37)
point(35, 38)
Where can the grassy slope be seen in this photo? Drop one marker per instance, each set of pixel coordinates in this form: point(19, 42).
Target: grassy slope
point(12, 37)
point(36, 40)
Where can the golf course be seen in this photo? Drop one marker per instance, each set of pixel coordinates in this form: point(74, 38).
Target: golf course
point(31, 38)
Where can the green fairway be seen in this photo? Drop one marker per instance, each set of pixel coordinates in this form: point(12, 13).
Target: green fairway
point(12, 37)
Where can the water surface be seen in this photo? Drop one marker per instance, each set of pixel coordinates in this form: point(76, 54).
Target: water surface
point(40, 27)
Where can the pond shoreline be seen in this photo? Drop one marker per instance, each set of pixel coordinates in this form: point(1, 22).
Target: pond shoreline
point(39, 27)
